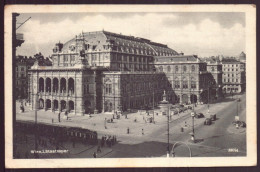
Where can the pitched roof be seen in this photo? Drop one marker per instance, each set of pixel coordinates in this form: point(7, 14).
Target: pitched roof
point(178, 58)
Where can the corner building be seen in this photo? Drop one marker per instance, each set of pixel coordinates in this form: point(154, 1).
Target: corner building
point(188, 80)
point(99, 72)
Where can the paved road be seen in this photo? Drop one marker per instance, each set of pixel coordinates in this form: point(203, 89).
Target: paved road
point(214, 140)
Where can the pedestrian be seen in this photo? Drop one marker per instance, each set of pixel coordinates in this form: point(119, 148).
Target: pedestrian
point(142, 131)
point(98, 149)
point(128, 130)
point(94, 155)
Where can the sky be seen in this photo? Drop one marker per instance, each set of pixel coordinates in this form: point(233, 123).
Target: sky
point(202, 34)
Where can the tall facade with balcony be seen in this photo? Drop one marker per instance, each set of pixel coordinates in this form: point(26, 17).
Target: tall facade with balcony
point(95, 71)
point(188, 80)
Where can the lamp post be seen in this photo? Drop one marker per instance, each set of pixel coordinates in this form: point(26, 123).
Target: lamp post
point(192, 133)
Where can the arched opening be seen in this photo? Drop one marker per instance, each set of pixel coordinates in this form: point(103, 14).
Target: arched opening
point(185, 99)
point(63, 105)
point(71, 86)
point(48, 104)
point(41, 104)
point(41, 85)
point(108, 106)
point(55, 105)
point(55, 85)
point(48, 85)
point(71, 106)
point(193, 98)
point(87, 105)
point(62, 85)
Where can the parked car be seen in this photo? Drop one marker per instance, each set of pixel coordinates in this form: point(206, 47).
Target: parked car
point(207, 121)
point(199, 115)
point(240, 123)
point(189, 107)
point(213, 117)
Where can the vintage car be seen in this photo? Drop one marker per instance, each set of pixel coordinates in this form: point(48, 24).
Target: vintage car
point(213, 117)
point(240, 123)
point(199, 115)
point(207, 121)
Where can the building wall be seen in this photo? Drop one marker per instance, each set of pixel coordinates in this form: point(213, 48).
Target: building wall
point(132, 90)
point(187, 81)
point(71, 90)
point(234, 78)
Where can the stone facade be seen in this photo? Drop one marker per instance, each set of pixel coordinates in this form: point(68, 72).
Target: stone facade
point(91, 71)
point(234, 77)
point(187, 77)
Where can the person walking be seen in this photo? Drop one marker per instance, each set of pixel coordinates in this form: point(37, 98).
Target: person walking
point(142, 131)
point(98, 149)
point(94, 155)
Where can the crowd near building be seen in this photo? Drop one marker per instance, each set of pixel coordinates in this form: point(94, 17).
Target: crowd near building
point(101, 71)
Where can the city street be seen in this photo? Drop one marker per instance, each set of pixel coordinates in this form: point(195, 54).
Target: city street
point(219, 139)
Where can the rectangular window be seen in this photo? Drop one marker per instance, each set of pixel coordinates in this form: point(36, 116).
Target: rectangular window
point(184, 84)
point(108, 88)
point(193, 84)
point(177, 84)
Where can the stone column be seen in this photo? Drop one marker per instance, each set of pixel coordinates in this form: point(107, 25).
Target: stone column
point(51, 85)
point(45, 105)
point(189, 96)
point(59, 106)
point(44, 85)
point(67, 87)
point(180, 98)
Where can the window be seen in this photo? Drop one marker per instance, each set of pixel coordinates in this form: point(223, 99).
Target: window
point(184, 84)
point(177, 84)
point(22, 69)
point(108, 88)
point(169, 68)
point(212, 68)
point(192, 68)
point(193, 84)
point(184, 68)
point(176, 68)
point(87, 88)
point(161, 69)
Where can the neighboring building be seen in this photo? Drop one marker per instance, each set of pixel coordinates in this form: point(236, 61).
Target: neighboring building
point(21, 78)
point(215, 68)
point(22, 65)
point(234, 78)
point(242, 57)
point(95, 71)
point(187, 77)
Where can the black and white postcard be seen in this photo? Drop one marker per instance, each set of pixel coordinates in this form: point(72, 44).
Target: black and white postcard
point(130, 85)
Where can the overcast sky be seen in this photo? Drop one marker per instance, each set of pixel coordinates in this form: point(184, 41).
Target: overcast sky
point(203, 34)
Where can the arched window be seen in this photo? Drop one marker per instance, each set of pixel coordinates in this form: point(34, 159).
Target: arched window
point(169, 68)
point(192, 68)
point(176, 68)
point(184, 68)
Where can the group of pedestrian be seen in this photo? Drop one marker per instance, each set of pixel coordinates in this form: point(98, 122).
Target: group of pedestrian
point(108, 141)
